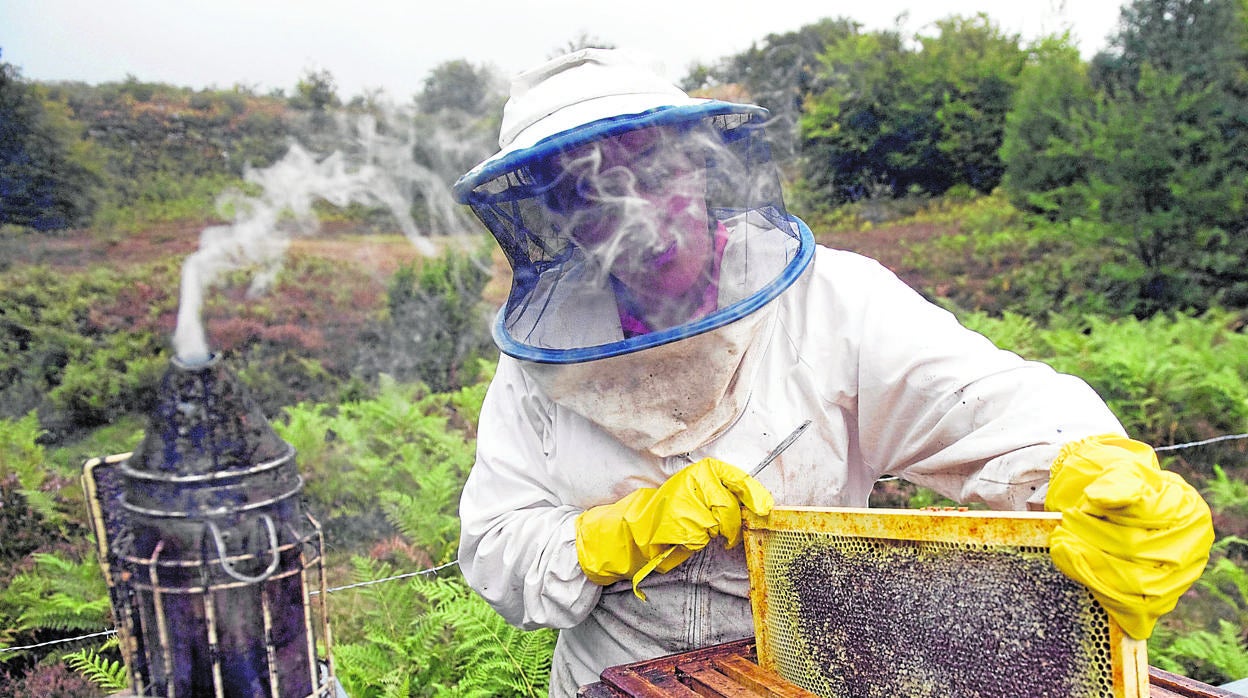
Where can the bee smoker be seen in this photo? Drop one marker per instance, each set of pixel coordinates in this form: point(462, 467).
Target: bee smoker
point(208, 549)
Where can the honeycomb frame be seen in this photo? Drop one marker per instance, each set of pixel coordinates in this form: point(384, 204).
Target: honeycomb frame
point(1017, 626)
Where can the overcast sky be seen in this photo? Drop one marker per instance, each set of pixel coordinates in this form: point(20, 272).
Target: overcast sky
point(392, 44)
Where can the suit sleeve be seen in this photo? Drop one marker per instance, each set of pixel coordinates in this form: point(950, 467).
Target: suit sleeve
point(941, 406)
point(517, 544)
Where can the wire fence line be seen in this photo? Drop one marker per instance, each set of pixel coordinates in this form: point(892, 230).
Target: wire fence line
point(315, 592)
point(371, 582)
point(452, 563)
point(1214, 440)
point(49, 643)
point(1173, 447)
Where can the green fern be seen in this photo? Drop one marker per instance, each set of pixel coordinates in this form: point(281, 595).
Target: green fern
point(398, 441)
point(435, 637)
point(1168, 378)
point(1191, 643)
point(58, 594)
point(1227, 495)
point(22, 457)
point(495, 657)
point(427, 516)
point(1214, 657)
point(1227, 582)
point(108, 674)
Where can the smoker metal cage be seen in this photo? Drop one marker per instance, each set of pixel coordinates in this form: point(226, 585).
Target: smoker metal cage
point(209, 552)
point(877, 602)
point(100, 479)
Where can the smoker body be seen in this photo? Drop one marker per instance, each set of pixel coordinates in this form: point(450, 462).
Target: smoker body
point(209, 552)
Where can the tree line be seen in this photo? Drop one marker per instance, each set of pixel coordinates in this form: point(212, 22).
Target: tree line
point(1146, 143)
point(1143, 148)
point(129, 153)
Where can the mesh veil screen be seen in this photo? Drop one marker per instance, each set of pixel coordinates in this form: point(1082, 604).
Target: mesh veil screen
point(869, 603)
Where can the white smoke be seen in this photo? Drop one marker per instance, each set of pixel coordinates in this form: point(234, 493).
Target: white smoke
point(376, 168)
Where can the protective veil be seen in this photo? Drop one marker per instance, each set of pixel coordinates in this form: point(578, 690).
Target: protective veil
point(612, 186)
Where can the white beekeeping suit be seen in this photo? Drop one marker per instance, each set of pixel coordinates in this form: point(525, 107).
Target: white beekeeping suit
point(584, 411)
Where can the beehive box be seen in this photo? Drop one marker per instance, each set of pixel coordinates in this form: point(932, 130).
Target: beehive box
point(885, 603)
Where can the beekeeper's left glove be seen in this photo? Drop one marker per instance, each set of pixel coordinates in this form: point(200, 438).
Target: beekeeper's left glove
point(659, 528)
point(1136, 535)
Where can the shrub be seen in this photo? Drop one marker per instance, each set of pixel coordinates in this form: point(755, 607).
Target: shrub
point(435, 324)
point(62, 352)
point(51, 681)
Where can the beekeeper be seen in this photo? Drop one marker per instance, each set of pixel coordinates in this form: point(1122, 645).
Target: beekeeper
point(669, 323)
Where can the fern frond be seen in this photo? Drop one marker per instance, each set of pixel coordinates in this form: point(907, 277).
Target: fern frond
point(108, 674)
point(1225, 651)
point(1227, 494)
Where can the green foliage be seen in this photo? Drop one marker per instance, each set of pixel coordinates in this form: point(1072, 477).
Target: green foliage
point(1227, 495)
point(436, 322)
point(466, 402)
point(1221, 656)
point(395, 453)
point(107, 673)
point(1045, 144)
point(1001, 259)
point(80, 347)
point(165, 197)
point(871, 129)
point(900, 120)
point(1150, 142)
point(55, 594)
point(457, 85)
point(163, 153)
point(974, 67)
point(435, 637)
point(45, 182)
point(1218, 652)
point(31, 515)
point(1168, 378)
point(122, 435)
point(1169, 184)
point(316, 91)
point(779, 73)
point(21, 460)
point(118, 376)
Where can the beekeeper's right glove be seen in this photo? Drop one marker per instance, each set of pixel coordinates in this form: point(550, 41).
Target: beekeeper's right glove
point(659, 528)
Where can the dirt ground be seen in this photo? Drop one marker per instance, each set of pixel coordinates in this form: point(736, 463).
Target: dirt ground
point(889, 245)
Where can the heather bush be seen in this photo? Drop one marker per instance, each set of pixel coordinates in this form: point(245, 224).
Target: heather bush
point(50, 681)
point(70, 349)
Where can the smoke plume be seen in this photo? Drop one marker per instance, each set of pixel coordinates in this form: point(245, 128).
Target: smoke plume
point(374, 165)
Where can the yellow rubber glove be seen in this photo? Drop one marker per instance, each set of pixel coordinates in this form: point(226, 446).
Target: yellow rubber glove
point(1136, 535)
point(659, 528)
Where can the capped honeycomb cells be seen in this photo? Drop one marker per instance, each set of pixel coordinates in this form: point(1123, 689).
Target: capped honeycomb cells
point(863, 617)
